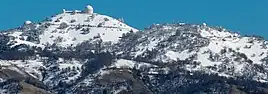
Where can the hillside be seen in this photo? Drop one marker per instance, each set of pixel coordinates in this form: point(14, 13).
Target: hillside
point(82, 52)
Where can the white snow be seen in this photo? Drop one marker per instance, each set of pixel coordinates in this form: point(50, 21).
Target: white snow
point(218, 40)
point(178, 55)
point(19, 42)
point(146, 46)
point(110, 29)
point(152, 44)
point(68, 63)
point(214, 33)
point(124, 63)
point(29, 66)
point(82, 26)
point(15, 34)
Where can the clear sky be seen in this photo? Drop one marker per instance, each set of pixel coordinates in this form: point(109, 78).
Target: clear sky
point(244, 16)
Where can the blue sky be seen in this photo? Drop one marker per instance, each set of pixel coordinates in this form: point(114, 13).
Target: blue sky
point(244, 16)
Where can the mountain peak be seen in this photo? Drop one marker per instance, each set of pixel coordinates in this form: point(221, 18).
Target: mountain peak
point(74, 27)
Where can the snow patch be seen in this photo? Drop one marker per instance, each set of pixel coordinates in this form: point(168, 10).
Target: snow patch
point(124, 63)
point(178, 55)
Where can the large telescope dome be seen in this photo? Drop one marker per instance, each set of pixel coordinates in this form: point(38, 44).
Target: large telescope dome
point(89, 9)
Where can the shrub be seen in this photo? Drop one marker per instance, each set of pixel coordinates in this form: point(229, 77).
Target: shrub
point(63, 25)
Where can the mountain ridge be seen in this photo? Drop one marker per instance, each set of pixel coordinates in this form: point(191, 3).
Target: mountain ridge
point(86, 52)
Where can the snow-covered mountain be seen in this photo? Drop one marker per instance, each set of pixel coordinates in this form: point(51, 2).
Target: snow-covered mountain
point(213, 50)
point(81, 52)
point(69, 29)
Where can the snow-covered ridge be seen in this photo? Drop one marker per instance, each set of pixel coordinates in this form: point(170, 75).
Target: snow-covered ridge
point(218, 40)
point(74, 27)
point(202, 45)
point(83, 27)
point(160, 57)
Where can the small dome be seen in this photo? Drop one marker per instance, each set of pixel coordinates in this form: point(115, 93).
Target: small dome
point(204, 24)
point(89, 9)
point(27, 22)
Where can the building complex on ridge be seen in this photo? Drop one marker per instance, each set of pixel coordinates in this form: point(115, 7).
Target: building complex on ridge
point(88, 10)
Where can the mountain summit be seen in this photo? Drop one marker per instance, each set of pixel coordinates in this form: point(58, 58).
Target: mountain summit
point(82, 52)
point(71, 28)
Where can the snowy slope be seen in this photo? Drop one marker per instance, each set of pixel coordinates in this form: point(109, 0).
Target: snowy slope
point(213, 50)
point(109, 29)
point(69, 29)
point(76, 52)
point(19, 39)
point(253, 48)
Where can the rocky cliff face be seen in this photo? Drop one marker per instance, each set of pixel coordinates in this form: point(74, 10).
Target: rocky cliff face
point(81, 53)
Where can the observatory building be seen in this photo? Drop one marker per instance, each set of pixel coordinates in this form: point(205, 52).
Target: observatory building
point(89, 10)
point(27, 22)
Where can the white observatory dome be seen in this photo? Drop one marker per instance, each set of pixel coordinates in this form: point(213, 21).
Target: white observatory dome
point(27, 22)
point(89, 9)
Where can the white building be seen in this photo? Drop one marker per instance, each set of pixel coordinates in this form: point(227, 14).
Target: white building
point(27, 22)
point(204, 24)
point(64, 11)
point(89, 10)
